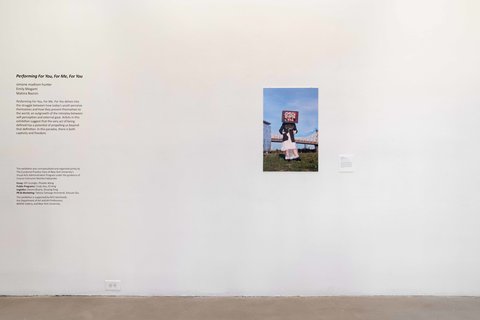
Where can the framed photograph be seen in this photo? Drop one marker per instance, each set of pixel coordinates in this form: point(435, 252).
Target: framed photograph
point(290, 129)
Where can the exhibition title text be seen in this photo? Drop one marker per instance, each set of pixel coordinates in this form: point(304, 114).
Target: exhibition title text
point(50, 76)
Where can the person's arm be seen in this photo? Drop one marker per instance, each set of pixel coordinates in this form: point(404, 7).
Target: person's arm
point(295, 128)
point(282, 129)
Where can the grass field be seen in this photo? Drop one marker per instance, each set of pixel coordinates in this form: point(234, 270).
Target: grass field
point(275, 161)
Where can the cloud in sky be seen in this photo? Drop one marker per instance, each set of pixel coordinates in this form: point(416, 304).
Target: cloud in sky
point(303, 100)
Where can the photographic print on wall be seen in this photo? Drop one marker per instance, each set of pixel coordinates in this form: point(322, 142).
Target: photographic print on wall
point(290, 129)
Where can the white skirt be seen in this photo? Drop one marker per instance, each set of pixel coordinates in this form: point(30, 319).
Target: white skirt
point(288, 144)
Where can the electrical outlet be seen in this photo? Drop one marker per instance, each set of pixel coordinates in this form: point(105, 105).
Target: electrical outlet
point(113, 285)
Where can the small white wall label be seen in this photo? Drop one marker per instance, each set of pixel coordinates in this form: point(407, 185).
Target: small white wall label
point(345, 162)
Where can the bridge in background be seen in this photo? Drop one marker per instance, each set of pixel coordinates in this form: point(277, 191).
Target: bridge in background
point(309, 140)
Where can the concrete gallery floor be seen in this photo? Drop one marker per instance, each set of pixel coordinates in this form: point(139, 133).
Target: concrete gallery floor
point(265, 308)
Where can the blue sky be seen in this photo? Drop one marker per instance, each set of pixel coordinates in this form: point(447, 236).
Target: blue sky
point(303, 100)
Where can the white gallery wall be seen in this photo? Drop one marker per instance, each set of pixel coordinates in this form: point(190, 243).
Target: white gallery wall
point(173, 200)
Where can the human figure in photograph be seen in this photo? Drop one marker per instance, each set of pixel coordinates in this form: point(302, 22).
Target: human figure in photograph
point(288, 131)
